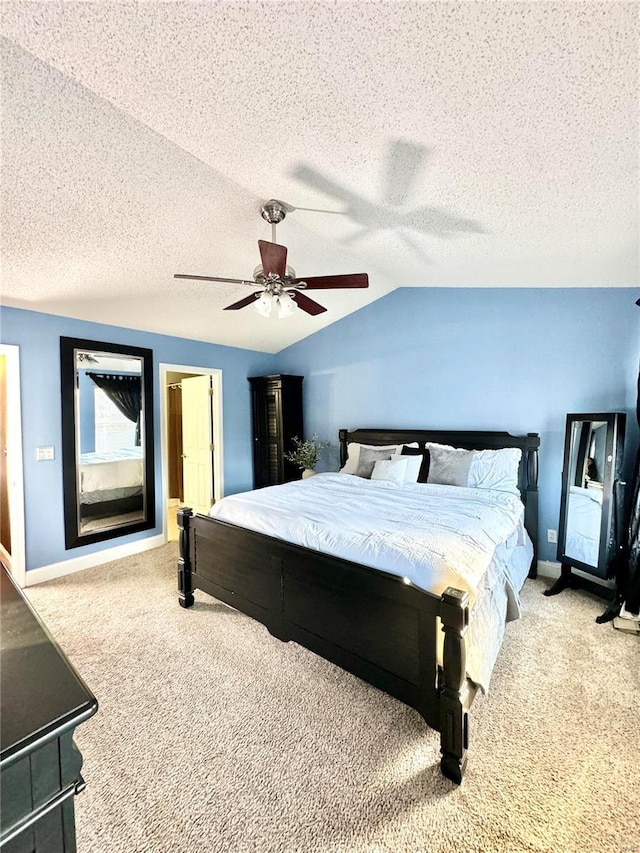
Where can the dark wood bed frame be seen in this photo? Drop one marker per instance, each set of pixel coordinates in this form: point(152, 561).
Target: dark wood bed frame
point(366, 621)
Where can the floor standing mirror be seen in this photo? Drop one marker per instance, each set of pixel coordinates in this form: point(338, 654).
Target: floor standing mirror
point(591, 505)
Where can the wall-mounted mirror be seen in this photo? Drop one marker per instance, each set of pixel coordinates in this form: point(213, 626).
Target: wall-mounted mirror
point(591, 501)
point(107, 440)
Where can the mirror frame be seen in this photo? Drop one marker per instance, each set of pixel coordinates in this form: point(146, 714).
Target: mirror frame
point(611, 493)
point(68, 380)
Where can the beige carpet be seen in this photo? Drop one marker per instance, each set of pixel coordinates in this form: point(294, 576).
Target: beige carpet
point(214, 736)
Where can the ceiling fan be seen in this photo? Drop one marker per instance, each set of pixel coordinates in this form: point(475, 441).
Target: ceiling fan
point(276, 282)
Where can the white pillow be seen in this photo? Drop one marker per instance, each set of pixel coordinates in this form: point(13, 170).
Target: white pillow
point(488, 469)
point(353, 453)
point(496, 469)
point(391, 470)
point(413, 468)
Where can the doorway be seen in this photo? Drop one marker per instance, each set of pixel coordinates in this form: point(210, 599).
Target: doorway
point(12, 536)
point(191, 435)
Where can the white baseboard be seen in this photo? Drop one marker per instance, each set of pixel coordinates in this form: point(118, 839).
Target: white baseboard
point(549, 569)
point(87, 561)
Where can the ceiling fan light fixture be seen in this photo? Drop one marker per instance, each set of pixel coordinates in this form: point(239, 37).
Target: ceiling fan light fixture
point(286, 305)
point(264, 304)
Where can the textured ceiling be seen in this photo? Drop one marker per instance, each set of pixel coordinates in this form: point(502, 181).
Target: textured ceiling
point(427, 143)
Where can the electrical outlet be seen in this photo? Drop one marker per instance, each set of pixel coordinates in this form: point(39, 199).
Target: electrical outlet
point(552, 536)
point(44, 454)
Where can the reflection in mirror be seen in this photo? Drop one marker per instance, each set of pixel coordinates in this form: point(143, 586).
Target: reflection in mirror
point(107, 440)
point(108, 435)
point(592, 500)
point(584, 501)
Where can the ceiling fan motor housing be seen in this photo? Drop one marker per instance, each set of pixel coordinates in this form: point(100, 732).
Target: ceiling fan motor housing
point(259, 275)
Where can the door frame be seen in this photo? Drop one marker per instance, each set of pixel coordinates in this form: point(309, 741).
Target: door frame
point(216, 415)
point(17, 558)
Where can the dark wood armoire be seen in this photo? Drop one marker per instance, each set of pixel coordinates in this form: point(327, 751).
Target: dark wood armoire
point(276, 403)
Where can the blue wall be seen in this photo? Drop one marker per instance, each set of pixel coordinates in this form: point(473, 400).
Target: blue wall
point(509, 359)
point(38, 336)
point(513, 359)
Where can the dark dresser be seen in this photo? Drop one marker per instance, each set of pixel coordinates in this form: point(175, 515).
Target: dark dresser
point(43, 699)
point(276, 405)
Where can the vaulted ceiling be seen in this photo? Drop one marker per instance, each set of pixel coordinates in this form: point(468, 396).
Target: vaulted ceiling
point(428, 144)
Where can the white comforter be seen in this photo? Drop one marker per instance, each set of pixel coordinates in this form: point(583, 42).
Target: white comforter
point(584, 517)
point(113, 469)
point(435, 536)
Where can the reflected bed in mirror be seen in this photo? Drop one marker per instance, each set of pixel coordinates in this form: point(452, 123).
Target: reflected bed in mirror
point(588, 463)
point(107, 434)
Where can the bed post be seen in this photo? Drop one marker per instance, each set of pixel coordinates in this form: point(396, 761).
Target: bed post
point(185, 589)
point(454, 695)
point(533, 443)
point(342, 438)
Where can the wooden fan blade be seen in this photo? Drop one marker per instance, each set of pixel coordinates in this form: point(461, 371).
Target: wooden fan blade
point(274, 258)
point(308, 305)
point(214, 278)
point(242, 303)
point(329, 282)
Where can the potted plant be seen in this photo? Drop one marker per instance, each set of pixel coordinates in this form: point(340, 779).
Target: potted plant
point(305, 454)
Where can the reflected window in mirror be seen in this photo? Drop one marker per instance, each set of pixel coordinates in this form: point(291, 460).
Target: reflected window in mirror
point(107, 424)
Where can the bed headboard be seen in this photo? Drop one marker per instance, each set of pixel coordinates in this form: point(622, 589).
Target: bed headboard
point(527, 475)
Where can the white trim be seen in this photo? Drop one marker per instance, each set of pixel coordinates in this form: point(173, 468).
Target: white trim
point(549, 569)
point(17, 559)
point(88, 561)
point(218, 453)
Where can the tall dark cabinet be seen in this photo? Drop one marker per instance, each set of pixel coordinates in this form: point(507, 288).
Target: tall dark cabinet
point(277, 416)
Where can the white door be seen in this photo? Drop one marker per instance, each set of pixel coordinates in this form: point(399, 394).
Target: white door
point(12, 539)
point(197, 443)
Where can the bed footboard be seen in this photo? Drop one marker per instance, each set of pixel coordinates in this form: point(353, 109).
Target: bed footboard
point(368, 622)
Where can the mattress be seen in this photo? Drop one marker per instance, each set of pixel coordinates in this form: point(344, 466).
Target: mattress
point(433, 536)
point(584, 518)
point(108, 495)
point(115, 469)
